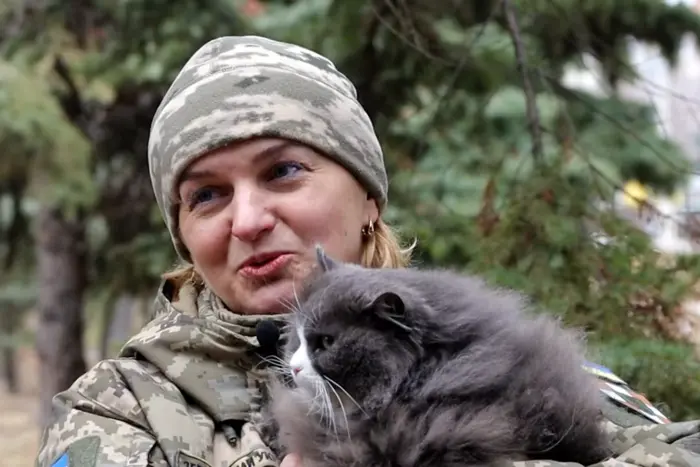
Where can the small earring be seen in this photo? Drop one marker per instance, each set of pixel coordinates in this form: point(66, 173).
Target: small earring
point(368, 230)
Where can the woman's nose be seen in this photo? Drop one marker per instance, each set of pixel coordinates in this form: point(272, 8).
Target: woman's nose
point(251, 217)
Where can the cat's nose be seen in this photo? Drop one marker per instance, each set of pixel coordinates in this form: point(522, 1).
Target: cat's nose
point(296, 370)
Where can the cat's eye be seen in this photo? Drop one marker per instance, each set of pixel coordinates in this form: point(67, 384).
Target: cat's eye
point(324, 342)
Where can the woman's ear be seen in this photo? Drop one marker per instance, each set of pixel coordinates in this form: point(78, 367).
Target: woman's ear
point(371, 209)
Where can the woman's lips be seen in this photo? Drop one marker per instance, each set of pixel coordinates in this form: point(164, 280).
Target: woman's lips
point(265, 266)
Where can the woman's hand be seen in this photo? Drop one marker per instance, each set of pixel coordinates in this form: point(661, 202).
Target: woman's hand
point(291, 460)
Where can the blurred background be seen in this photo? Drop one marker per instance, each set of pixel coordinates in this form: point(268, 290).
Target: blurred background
point(552, 146)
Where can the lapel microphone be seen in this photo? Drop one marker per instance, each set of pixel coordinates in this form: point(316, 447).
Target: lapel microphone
point(268, 335)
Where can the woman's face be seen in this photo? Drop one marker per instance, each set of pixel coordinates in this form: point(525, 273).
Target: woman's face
point(251, 215)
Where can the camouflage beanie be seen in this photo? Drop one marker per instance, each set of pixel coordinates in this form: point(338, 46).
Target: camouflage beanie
point(235, 88)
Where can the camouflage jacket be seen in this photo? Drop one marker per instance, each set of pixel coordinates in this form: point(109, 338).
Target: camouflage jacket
point(185, 392)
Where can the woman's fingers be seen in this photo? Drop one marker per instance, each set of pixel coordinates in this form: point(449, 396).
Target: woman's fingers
point(291, 460)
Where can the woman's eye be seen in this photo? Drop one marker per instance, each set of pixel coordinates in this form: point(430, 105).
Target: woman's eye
point(202, 195)
point(285, 169)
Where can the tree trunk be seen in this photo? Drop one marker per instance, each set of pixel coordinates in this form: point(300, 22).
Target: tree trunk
point(61, 251)
point(9, 324)
point(9, 373)
point(117, 322)
point(108, 314)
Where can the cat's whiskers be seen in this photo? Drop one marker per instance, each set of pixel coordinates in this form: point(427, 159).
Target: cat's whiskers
point(315, 405)
point(342, 408)
point(329, 408)
point(292, 305)
point(315, 312)
point(289, 305)
point(320, 404)
point(273, 362)
point(352, 399)
point(276, 366)
point(277, 370)
point(285, 329)
point(296, 297)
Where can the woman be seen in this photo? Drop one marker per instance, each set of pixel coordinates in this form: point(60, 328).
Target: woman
point(258, 151)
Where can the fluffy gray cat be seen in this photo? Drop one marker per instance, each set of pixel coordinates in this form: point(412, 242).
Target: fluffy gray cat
point(412, 368)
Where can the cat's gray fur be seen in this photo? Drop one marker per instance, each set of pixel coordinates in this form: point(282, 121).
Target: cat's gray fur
point(448, 372)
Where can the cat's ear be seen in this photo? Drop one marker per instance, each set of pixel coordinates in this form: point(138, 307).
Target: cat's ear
point(390, 307)
point(389, 302)
point(324, 261)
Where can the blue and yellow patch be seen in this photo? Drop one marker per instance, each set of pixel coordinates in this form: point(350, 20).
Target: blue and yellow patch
point(61, 461)
point(81, 453)
point(618, 391)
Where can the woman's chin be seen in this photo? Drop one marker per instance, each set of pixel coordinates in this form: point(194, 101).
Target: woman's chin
point(272, 299)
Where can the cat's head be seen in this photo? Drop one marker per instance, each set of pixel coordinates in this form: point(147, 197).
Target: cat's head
point(352, 338)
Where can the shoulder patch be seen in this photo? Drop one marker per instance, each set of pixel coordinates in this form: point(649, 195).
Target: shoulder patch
point(61, 461)
point(618, 391)
point(186, 460)
point(602, 372)
point(82, 453)
point(260, 457)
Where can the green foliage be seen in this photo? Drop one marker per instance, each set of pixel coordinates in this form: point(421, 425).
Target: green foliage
point(148, 42)
point(625, 134)
point(563, 28)
point(459, 158)
point(149, 259)
point(16, 297)
point(546, 230)
point(38, 144)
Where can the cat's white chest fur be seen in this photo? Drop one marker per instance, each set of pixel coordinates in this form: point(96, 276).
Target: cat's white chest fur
point(300, 363)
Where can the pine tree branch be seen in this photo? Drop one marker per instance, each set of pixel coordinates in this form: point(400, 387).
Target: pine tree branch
point(72, 104)
point(533, 116)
